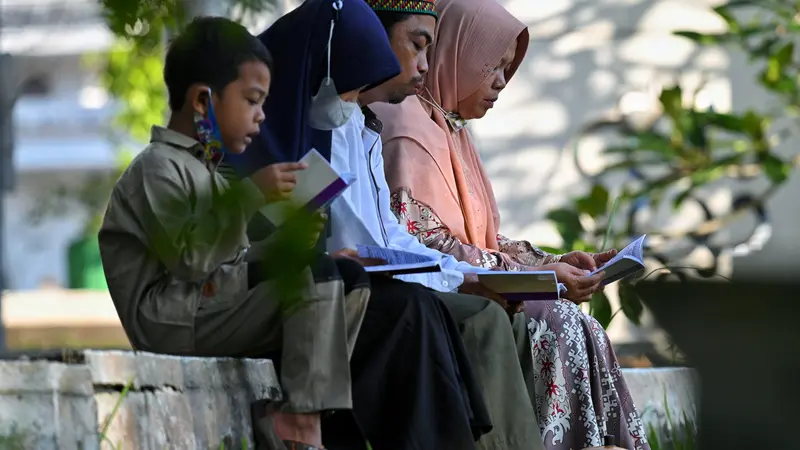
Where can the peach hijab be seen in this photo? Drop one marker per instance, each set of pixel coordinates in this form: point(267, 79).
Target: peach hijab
point(441, 167)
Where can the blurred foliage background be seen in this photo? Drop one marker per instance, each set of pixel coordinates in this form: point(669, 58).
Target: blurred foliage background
point(687, 148)
point(668, 160)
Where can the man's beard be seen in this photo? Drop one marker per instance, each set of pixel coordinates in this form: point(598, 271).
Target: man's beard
point(399, 96)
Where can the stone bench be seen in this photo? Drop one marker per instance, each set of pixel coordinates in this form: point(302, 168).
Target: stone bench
point(62, 400)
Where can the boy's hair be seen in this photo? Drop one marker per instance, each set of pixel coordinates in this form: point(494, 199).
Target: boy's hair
point(209, 50)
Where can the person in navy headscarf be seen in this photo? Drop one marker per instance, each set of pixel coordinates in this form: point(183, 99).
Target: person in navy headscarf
point(412, 383)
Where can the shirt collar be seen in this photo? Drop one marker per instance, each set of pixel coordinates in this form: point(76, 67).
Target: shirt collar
point(172, 138)
point(371, 120)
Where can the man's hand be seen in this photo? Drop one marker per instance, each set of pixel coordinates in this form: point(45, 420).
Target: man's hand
point(580, 287)
point(352, 254)
point(588, 261)
point(277, 181)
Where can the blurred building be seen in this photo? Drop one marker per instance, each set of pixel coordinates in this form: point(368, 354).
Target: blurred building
point(61, 117)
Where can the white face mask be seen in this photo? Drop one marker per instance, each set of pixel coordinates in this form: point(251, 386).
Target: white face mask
point(328, 111)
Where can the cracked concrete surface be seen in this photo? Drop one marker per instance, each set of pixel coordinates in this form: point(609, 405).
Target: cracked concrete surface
point(61, 400)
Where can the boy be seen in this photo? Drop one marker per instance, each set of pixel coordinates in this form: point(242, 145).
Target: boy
point(174, 246)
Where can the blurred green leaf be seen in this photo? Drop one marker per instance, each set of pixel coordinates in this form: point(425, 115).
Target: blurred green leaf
point(754, 125)
point(595, 203)
point(672, 101)
point(785, 54)
point(600, 309)
point(553, 250)
point(728, 122)
point(765, 48)
point(700, 177)
point(568, 225)
point(726, 15)
point(630, 303)
point(627, 164)
point(730, 4)
point(776, 169)
point(703, 38)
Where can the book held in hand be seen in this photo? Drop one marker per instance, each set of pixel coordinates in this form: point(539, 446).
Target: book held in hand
point(523, 286)
point(317, 186)
point(627, 262)
point(398, 262)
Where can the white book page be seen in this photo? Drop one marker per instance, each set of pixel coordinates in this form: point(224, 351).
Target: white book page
point(628, 261)
point(310, 182)
point(392, 256)
point(631, 251)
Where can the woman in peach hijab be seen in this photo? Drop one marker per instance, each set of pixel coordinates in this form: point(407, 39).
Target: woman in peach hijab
point(440, 190)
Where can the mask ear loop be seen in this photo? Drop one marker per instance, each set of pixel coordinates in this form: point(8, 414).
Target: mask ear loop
point(432, 103)
point(456, 123)
point(337, 6)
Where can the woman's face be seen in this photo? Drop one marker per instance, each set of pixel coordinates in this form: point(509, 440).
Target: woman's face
point(476, 105)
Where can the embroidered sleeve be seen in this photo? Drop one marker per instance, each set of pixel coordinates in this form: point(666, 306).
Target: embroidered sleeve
point(525, 253)
point(423, 223)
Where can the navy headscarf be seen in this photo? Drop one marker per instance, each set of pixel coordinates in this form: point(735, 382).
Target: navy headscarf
point(360, 56)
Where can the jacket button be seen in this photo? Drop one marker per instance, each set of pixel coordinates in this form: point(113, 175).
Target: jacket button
point(209, 289)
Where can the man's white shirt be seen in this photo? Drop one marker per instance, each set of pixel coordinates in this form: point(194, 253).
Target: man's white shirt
point(363, 215)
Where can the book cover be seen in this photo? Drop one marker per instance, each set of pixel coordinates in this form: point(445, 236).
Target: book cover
point(317, 186)
point(522, 286)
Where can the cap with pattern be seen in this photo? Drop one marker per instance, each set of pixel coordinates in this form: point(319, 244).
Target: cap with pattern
point(405, 6)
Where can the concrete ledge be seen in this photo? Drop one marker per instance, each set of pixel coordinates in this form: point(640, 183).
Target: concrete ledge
point(62, 400)
point(47, 405)
point(173, 402)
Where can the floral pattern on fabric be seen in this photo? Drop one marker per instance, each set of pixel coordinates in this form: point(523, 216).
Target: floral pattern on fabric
point(525, 253)
point(580, 390)
point(421, 221)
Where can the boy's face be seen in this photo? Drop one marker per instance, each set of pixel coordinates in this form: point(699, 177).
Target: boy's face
point(239, 110)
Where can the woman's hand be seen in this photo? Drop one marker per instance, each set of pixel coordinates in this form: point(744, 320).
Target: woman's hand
point(277, 181)
point(580, 286)
point(588, 261)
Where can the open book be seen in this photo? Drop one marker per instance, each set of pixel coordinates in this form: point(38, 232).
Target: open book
point(398, 262)
point(317, 186)
point(523, 286)
point(628, 261)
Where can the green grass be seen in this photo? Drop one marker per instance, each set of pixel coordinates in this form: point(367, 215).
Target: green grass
point(681, 436)
point(15, 439)
point(114, 411)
